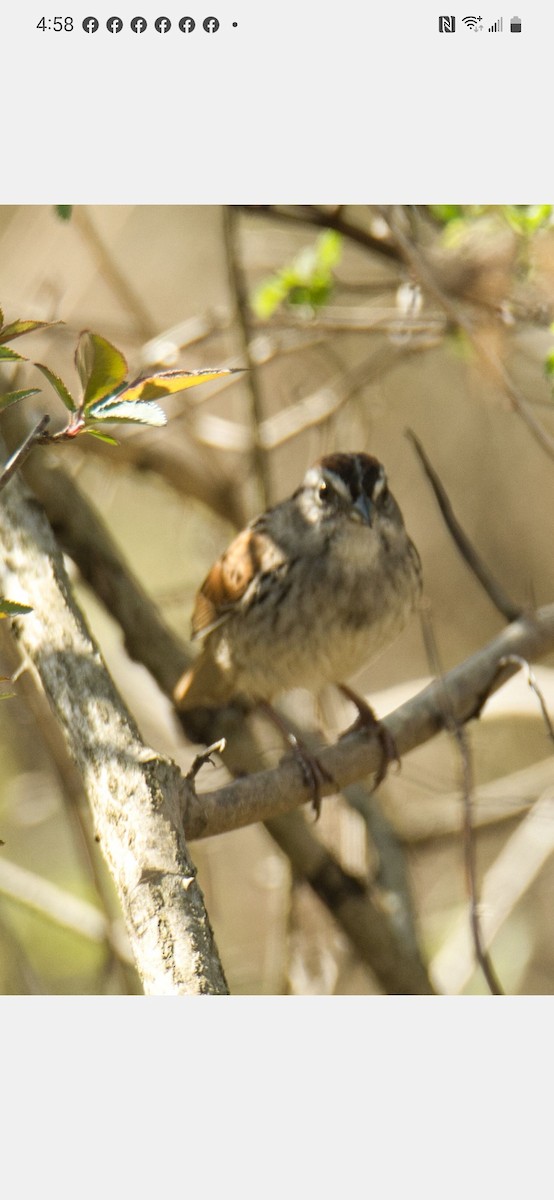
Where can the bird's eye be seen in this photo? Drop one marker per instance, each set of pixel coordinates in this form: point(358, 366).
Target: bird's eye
point(324, 492)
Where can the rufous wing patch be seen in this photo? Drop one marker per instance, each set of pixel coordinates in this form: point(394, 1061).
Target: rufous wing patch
point(226, 583)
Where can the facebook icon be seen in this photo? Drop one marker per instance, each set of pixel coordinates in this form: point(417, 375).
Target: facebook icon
point(90, 24)
point(186, 24)
point(138, 24)
point(162, 24)
point(211, 24)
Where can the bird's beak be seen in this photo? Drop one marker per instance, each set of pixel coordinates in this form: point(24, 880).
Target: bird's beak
point(363, 510)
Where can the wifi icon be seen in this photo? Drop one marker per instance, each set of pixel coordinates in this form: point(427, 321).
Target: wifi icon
point(471, 22)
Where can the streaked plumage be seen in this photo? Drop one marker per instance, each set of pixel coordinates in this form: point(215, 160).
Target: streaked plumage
point(308, 593)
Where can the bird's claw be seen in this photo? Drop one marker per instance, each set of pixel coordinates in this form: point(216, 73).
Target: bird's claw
point(368, 722)
point(315, 775)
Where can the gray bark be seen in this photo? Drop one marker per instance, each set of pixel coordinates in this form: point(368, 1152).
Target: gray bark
point(136, 795)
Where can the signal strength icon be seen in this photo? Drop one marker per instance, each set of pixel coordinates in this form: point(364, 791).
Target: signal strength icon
point(470, 22)
point(496, 27)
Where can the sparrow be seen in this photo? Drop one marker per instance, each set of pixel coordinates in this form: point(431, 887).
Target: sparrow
point(307, 594)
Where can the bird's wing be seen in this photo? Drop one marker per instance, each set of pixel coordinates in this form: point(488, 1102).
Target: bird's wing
point(251, 554)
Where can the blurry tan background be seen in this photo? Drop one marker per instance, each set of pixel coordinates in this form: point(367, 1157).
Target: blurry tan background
point(377, 358)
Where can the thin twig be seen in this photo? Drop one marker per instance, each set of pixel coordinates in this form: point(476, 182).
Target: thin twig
point(319, 406)
point(59, 906)
point(458, 733)
point(310, 412)
point(19, 456)
point(113, 276)
point(193, 331)
point(240, 295)
point(310, 215)
point(506, 881)
point(390, 321)
point(518, 661)
point(475, 563)
point(470, 858)
point(205, 757)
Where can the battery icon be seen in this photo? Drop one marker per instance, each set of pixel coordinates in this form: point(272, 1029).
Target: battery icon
point(515, 25)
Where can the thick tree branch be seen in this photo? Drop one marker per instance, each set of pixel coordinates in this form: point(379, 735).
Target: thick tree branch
point(260, 796)
point(136, 795)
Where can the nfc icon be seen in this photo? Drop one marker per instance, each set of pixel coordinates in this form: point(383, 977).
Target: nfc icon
point(447, 24)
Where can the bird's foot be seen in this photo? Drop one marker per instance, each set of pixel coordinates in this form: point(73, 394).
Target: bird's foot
point(368, 721)
point(315, 775)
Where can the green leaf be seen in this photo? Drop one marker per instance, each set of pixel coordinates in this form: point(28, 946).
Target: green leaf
point(143, 412)
point(267, 298)
point(12, 397)
point(527, 218)
point(10, 355)
point(64, 211)
point(8, 608)
point(102, 437)
point(447, 212)
point(167, 383)
point(59, 386)
point(549, 363)
point(101, 367)
point(329, 249)
point(307, 280)
point(18, 328)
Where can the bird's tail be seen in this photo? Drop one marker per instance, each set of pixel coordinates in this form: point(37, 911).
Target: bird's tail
point(203, 686)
